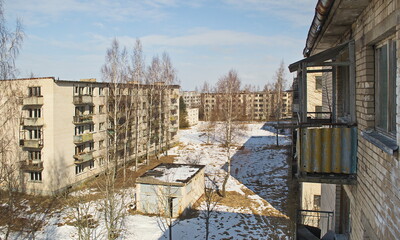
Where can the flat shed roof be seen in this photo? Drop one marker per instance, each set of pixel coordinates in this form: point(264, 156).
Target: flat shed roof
point(170, 173)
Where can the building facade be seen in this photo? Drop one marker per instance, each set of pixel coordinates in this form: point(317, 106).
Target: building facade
point(356, 151)
point(65, 129)
point(249, 106)
point(192, 99)
point(193, 116)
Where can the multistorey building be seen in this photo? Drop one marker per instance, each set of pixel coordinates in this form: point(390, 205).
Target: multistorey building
point(192, 99)
point(66, 128)
point(353, 153)
point(248, 106)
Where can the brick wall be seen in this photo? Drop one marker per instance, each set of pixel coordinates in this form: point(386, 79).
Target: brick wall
point(375, 200)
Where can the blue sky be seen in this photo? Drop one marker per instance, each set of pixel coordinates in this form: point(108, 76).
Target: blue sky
point(205, 39)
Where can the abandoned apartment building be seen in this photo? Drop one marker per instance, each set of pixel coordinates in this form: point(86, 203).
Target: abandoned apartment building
point(349, 148)
point(64, 127)
point(249, 106)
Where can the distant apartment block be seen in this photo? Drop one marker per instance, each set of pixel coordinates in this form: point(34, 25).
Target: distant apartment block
point(192, 99)
point(193, 116)
point(249, 106)
point(65, 126)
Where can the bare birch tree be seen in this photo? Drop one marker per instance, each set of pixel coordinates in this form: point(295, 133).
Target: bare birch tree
point(153, 76)
point(137, 72)
point(113, 202)
point(10, 108)
point(228, 86)
point(211, 200)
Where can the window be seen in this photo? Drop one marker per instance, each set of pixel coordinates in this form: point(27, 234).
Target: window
point(91, 109)
point(79, 130)
point(91, 145)
point(101, 144)
point(34, 91)
point(101, 126)
point(79, 169)
point(317, 201)
point(385, 92)
point(79, 149)
point(79, 90)
point(101, 161)
point(101, 91)
point(101, 109)
point(35, 113)
point(36, 176)
point(34, 155)
point(79, 110)
point(35, 134)
point(318, 82)
point(91, 164)
point(91, 127)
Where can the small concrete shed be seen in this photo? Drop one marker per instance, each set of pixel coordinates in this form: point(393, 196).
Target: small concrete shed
point(169, 188)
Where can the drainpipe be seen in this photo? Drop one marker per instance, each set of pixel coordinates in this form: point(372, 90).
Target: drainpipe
point(321, 14)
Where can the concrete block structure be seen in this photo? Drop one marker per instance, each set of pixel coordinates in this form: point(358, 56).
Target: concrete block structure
point(193, 116)
point(64, 130)
point(169, 189)
point(355, 45)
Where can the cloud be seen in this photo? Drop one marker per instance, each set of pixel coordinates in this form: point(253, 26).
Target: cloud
point(297, 12)
point(41, 12)
point(208, 37)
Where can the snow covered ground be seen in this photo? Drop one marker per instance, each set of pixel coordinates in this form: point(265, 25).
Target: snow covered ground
point(256, 206)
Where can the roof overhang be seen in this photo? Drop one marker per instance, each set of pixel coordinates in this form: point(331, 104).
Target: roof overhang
point(336, 23)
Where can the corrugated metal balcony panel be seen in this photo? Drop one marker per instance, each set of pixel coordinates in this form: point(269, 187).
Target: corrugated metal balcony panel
point(328, 150)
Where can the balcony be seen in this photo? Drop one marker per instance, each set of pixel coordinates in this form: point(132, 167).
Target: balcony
point(173, 107)
point(32, 121)
point(83, 157)
point(81, 119)
point(326, 154)
point(173, 129)
point(87, 137)
point(33, 100)
point(83, 99)
point(32, 166)
point(31, 143)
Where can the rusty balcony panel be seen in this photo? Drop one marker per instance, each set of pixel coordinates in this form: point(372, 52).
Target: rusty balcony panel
point(31, 166)
point(327, 150)
point(83, 157)
point(32, 143)
point(33, 100)
point(83, 99)
point(80, 119)
point(87, 137)
point(32, 121)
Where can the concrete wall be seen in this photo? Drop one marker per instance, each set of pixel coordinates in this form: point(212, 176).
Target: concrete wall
point(153, 199)
point(193, 116)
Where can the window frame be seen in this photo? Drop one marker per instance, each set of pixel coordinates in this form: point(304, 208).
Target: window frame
point(391, 70)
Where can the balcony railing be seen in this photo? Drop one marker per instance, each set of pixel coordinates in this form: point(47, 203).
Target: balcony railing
point(83, 99)
point(83, 157)
point(32, 121)
point(32, 166)
point(327, 154)
point(80, 119)
point(33, 100)
point(32, 143)
point(87, 137)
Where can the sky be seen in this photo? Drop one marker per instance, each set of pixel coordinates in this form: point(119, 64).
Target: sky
point(205, 39)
